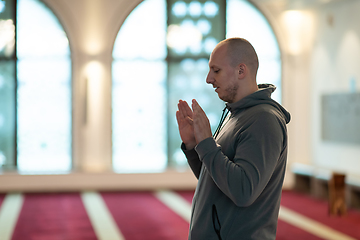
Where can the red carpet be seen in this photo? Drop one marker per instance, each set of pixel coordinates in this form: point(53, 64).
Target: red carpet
point(140, 215)
point(285, 231)
point(2, 196)
point(53, 217)
point(187, 195)
point(318, 210)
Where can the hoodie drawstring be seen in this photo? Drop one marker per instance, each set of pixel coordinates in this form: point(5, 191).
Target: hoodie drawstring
point(222, 119)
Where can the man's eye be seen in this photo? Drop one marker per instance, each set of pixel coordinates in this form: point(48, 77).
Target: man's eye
point(216, 71)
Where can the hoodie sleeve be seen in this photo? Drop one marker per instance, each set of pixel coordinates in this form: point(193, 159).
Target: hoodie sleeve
point(258, 147)
point(193, 160)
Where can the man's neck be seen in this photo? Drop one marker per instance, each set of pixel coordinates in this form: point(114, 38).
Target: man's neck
point(246, 91)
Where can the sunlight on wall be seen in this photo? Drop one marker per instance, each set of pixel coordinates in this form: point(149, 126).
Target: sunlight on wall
point(348, 59)
point(93, 42)
point(299, 27)
point(94, 72)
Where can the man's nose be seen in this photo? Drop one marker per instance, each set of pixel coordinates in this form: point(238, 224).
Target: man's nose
point(209, 79)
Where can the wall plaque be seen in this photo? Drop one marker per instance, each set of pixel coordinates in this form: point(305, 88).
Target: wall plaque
point(340, 117)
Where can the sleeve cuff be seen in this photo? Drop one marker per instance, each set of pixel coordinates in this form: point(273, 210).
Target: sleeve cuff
point(190, 154)
point(206, 146)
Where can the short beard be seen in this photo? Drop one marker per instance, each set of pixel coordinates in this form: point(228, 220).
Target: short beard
point(231, 93)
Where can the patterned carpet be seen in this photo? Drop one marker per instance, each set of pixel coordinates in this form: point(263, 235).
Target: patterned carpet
point(149, 216)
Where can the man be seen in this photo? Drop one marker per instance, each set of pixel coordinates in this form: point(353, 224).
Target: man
point(241, 169)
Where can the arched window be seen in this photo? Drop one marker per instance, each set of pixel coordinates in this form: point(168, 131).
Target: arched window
point(139, 93)
point(160, 56)
point(40, 76)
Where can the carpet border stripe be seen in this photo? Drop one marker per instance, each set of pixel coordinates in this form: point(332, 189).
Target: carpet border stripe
point(100, 217)
point(311, 226)
point(9, 214)
point(175, 202)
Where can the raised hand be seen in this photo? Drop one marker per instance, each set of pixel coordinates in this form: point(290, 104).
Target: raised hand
point(184, 117)
point(201, 124)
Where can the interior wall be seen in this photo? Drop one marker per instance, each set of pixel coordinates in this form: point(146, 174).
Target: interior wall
point(335, 68)
point(321, 55)
point(291, 27)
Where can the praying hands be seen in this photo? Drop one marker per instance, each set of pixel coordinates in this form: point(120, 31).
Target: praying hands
point(194, 126)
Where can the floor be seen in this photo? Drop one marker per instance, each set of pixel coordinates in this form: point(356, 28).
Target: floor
point(159, 215)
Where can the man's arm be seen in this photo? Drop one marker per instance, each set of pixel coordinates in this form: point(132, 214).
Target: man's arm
point(193, 160)
point(257, 152)
point(258, 149)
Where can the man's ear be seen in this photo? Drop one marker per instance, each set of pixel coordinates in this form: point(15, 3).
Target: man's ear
point(242, 70)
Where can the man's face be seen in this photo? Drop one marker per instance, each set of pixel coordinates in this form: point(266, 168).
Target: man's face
point(222, 75)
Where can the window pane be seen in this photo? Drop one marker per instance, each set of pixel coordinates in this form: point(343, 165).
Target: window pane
point(139, 91)
point(39, 33)
point(195, 27)
point(239, 14)
point(44, 115)
point(7, 85)
point(139, 116)
point(44, 91)
point(7, 114)
point(143, 33)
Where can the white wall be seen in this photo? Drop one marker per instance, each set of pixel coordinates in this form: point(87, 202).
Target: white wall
point(294, 30)
point(335, 63)
point(321, 54)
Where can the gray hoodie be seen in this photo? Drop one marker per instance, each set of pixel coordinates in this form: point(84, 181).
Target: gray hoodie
point(241, 173)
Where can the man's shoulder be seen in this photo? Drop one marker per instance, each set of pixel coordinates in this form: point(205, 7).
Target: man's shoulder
point(260, 110)
point(259, 116)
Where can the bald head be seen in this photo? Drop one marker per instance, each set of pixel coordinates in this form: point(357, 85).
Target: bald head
point(239, 50)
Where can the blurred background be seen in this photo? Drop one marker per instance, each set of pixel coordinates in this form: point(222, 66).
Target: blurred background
point(89, 145)
point(88, 89)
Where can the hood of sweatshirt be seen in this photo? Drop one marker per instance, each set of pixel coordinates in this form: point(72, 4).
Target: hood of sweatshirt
point(262, 96)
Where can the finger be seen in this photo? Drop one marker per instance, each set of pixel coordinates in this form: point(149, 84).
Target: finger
point(185, 109)
point(199, 114)
point(202, 129)
point(197, 109)
point(182, 108)
point(197, 105)
point(180, 112)
point(179, 117)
